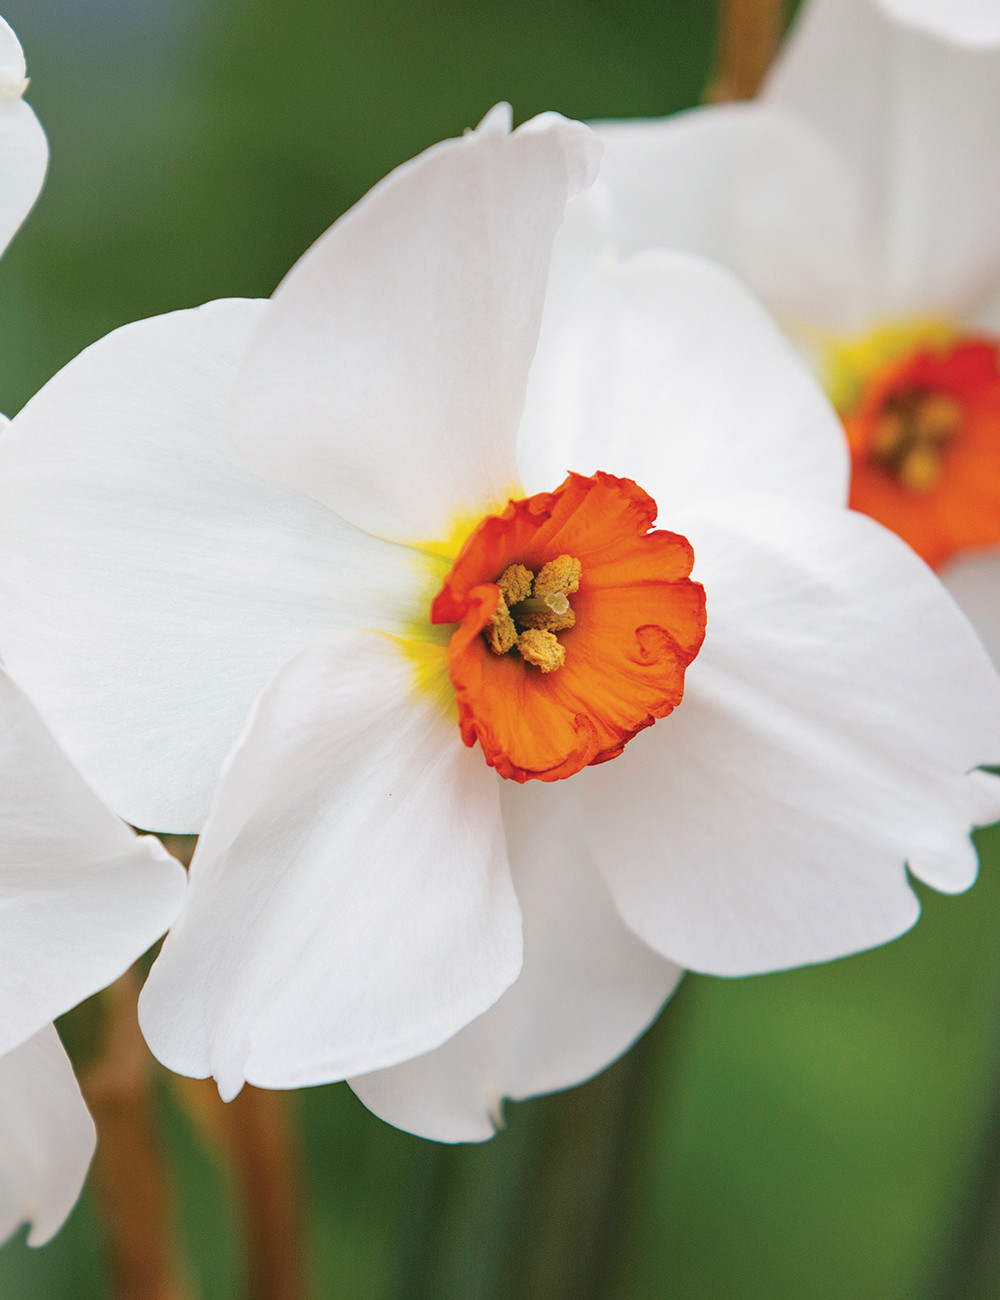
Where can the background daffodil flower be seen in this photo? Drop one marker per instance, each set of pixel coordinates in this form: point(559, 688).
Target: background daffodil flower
point(857, 197)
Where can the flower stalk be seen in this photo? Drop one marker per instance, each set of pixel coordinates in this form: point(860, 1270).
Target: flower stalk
point(546, 1206)
point(129, 1181)
point(749, 32)
point(252, 1136)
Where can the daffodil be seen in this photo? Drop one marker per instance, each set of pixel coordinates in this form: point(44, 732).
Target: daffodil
point(857, 197)
point(487, 783)
point(81, 897)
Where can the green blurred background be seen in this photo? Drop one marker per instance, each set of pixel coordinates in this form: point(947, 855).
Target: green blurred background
point(813, 1134)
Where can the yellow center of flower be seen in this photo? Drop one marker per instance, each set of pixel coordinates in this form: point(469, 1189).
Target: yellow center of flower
point(921, 409)
point(849, 365)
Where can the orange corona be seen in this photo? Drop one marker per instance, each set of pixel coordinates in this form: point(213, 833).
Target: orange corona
point(576, 623)
point(925, 445)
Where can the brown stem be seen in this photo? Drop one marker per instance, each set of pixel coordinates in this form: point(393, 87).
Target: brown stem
point(749, 32)
point(253, 1137)
point(128, 1177)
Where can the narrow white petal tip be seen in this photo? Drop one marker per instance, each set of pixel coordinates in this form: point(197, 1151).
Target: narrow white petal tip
point(498, 121)
point(984, 789)
point(582, 147)
point(230, 1085)
point(13, 79)
point(949, 869)
point(495, 1108)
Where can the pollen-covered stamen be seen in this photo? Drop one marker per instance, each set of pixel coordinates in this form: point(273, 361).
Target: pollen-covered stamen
point(911, 434)
point(560, 576)
point(542, 649)
point(515, 584)
point(500, 632)
point(536, 604)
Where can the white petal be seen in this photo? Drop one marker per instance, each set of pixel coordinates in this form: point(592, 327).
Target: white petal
point(587, 990)
point(350, 903)
point(972, 23)
point(81, 897)
point(751, 187)
point(24, 151)
point(13, 69)
point(150, 583)
point(983, 316)
point(664, 369)
point(582, 151)
point(389, 378)
point(918, 121)
point(823, 741)
point(46, 1138)
point(974, 581)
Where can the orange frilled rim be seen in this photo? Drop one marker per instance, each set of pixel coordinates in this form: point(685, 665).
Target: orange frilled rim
point(962, 511)
point(640, 622)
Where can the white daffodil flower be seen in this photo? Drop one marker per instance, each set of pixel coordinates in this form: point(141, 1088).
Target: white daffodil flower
point(347, 511)
point(858, 196)
point(81, 897)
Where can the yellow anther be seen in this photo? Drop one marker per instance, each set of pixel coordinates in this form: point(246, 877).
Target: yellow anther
point(889, 434)
point(515, 583)
point(938, 417)
point(500, 632)
point(561, 575)
point(910, 437)
point(541, 649)
point(921, 469)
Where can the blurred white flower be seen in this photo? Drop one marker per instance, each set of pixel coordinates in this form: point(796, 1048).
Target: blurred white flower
point(973, 23)
point(24, 151)
point(46, 1137)
point(81, 897)
point(859, 197)
point(302, 501)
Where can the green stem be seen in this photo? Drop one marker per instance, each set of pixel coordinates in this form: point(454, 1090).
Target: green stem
point(539, 1212)
point(970, 1269)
